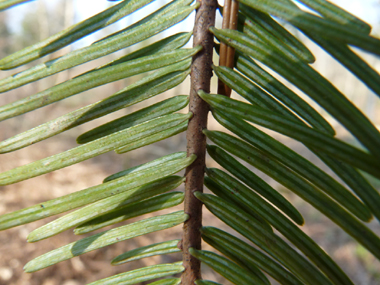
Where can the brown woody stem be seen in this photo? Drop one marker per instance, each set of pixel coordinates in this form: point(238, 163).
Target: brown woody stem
point(227, 53)
point(223, 89)
point(230, 61)
point(201, 74)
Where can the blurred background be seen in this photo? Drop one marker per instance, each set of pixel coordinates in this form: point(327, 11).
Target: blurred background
point(26, 24)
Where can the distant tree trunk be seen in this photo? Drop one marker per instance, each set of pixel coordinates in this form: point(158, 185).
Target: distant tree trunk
point(68, 20)
point(4, 36)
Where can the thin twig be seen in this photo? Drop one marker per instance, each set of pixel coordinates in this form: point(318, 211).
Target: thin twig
point(201, 73)
point(232, 26)
point(227, 53)
point(223, 89)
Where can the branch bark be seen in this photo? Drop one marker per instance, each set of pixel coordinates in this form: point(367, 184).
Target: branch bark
point(201, 73)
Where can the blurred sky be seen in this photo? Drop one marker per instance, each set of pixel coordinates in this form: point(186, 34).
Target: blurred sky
point(87, 8)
